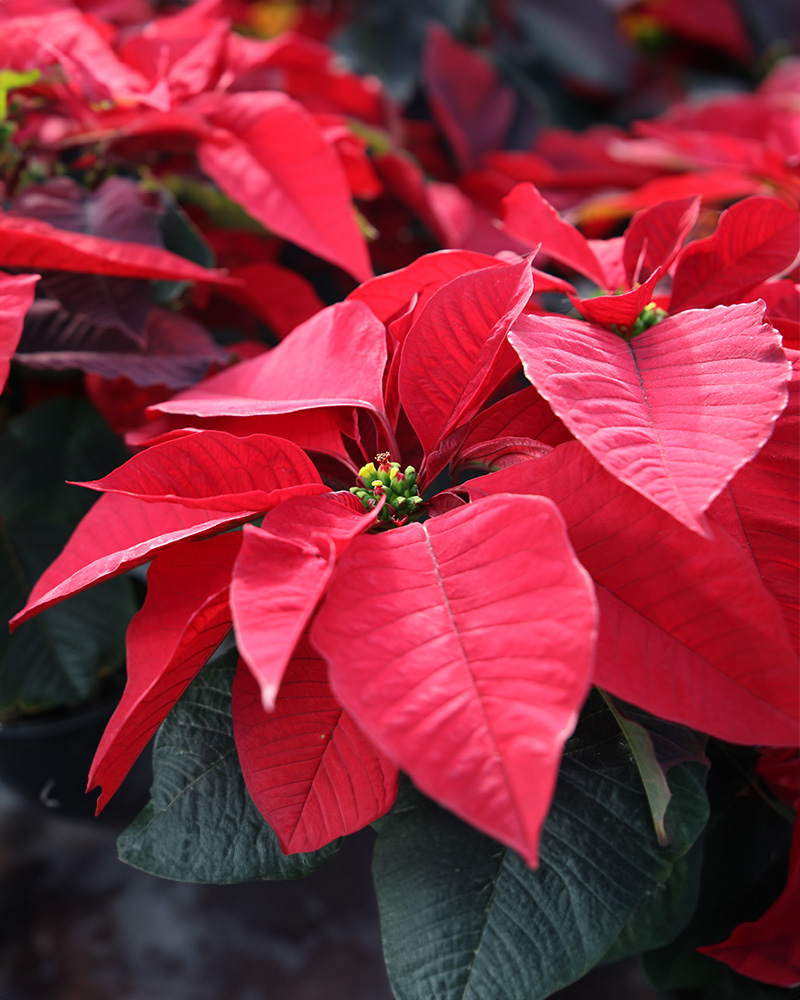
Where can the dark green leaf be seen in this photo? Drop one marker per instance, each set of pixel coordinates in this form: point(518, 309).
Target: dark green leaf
point(722, 983)
point(201, 824)
point(221, 210)
point(746, 849)
point(58, 657)
point(664, 912)
point(465, 919)
point(657, 747)
point(60, 439)
point(182, 237)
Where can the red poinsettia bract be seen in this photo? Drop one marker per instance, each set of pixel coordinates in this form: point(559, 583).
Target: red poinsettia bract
point(16, 296)
point(458, 647)
point(768, 949)
point(268, 121)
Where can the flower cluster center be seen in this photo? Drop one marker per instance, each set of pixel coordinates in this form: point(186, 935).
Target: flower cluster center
point(649, 316)
point(398, 487)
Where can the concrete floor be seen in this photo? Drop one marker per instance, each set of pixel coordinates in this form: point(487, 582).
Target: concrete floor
point(77, 924)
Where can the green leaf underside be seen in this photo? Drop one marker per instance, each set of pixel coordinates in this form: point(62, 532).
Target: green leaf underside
point(464, 918)
point(654, 780)
point(656, 746)
point(227, 214)
point(200, 824)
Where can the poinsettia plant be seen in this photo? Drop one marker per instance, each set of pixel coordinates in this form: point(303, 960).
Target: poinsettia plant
point(453, 630)
point(496, 552)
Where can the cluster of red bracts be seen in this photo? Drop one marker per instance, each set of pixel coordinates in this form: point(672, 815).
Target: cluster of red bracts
point(634, 550)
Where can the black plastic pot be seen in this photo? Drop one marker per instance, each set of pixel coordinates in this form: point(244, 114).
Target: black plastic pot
point(46, 760)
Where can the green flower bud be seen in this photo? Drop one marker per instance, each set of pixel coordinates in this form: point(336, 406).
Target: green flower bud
point(649, 316)
point(399, 488)
point(368, 473)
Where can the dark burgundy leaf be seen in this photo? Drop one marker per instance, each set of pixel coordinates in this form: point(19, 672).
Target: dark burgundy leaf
point(473, 115)
point(118, 210)
point(175, 350)
point(29, 243)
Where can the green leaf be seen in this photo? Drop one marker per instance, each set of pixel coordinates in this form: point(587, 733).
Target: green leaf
point(746, 849)
point(59, 657)
point(464, 918)
point(60, 439)
point(664, 912)
point(200, 824)
point(654, 780)
point(222, 211)
point(656, 746)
